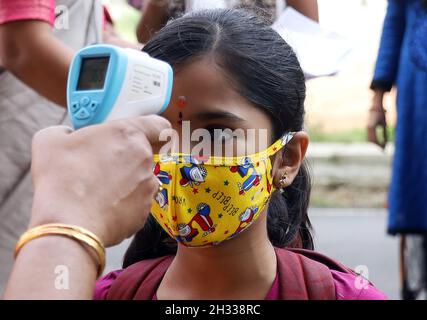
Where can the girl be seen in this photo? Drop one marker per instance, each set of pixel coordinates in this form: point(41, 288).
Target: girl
point(231, 71)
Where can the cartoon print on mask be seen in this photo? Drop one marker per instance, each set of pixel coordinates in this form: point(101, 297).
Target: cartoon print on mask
point(253, 180)
point(224, 200)
point(162, 199)
point(243, 170)
point(196, 159)
point(202, 218)
point(269, 186)
point(193, 175)
point(167, 227)
point(164, 178)
point(246, 219)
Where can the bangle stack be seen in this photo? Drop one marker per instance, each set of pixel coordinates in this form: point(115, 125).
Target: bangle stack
point(76, 233)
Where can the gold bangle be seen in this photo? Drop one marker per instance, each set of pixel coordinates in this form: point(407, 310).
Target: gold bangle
point(70, 227)
point(79, 234)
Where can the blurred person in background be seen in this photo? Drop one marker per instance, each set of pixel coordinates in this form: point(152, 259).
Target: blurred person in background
point(402, 61)
point(37, 41)
point(156, 13)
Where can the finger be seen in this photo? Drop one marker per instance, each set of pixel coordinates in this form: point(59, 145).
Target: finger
point(156, 186)
point(385, 135)
point(50, 135)
point(150, 188)
point(56, 130)
point(150, 126)
point(372, 135)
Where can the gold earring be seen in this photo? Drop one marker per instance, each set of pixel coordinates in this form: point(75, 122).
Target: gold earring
point(283, 179)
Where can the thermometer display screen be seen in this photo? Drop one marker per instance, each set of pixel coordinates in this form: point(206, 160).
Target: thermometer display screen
point(92, 73)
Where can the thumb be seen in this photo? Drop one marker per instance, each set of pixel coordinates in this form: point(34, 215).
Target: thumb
point(151, 126)
point(48, 137)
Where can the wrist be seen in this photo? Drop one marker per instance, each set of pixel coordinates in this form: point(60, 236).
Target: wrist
point(60, 248)
point(65, 219)
point(77, 269)
point(86, 239)
point(377, 101)
point(378, 109)
point(378, 96)
point(59, 210)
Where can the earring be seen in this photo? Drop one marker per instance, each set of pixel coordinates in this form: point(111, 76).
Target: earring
point(283, 179)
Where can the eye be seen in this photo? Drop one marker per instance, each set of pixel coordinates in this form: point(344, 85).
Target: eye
point(220, 134)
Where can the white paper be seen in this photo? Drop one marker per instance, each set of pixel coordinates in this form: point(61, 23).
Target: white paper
point(193, 5)
point(321, 52)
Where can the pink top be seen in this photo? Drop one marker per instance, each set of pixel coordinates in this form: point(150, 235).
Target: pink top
point(44, 10)
point(15, 10)
point(345, 288)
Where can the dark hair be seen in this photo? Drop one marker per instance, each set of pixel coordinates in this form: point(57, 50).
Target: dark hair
point(264, 70)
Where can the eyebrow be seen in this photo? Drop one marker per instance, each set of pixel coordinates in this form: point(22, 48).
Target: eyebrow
point(219, 115)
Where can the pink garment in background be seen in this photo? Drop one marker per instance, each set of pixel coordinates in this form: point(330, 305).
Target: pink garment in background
point(16, 10)
point(345, 288)
point(44, 10)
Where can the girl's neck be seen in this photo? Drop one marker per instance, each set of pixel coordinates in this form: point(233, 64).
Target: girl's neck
point(241, 268)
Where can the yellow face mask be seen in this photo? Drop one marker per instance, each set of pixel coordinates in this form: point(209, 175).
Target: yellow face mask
point(205, 202)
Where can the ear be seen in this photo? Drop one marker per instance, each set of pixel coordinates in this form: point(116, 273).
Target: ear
point(288, 161)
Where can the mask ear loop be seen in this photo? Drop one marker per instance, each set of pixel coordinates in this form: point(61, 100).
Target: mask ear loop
point(276, 147)
point(280, 144)
point(283, 178)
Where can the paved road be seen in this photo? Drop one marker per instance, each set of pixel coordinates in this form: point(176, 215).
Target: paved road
point(358, 238)
point(354, 237)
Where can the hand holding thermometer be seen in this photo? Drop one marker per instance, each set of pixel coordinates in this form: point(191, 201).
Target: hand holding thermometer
point(107, 83)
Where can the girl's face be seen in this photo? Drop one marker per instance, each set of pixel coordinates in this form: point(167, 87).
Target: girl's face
point(204, 96)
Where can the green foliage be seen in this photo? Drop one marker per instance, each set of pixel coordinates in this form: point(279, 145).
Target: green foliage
point(125, 20)
point(347, 136)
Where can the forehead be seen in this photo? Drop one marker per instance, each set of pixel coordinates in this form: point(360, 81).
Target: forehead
point(207, 88)
point(203, 80)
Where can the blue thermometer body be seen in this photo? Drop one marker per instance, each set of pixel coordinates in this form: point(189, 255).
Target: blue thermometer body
point(107, 82)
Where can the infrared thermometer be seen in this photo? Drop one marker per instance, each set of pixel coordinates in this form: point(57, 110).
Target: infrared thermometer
point(107, 83)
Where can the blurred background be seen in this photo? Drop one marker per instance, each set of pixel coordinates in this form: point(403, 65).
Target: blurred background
point(351, 176)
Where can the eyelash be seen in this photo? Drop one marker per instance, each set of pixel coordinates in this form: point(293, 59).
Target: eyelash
point(212, 129)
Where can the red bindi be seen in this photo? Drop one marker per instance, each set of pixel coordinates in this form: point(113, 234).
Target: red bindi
point(182, 102)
